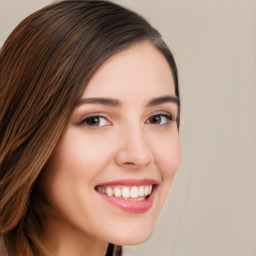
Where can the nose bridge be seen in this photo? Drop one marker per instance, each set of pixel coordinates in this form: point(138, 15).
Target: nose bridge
point(134, 150)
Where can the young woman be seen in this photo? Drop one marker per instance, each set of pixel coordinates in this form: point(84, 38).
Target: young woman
point(88, 130)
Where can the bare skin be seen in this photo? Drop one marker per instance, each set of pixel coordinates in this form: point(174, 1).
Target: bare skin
point(130, 136)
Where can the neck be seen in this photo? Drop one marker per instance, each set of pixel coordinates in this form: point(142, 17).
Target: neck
point(63, 239)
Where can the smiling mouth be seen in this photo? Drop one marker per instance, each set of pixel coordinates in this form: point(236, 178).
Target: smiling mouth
point(127, 192)
point(129, 195)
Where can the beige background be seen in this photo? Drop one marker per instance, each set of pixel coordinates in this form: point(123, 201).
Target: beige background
point(211, 210)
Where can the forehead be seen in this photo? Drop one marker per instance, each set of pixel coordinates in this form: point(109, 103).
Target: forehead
point(139, 70)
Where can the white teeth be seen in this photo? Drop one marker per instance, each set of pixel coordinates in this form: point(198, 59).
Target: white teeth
point(126, 192)
point(134, 192)
point(109, 191)
point(141, 191)
point(149, 190)
point(146, 190)
point(117, 192)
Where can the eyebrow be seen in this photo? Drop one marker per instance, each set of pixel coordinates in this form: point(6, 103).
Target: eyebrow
point(116, 103)
point(102, 101)
point(162, 100)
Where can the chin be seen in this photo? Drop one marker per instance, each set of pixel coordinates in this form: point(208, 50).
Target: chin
point(134, 241)
point(132, 237)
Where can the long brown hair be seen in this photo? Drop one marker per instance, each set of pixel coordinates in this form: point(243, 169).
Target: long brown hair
point(45, 65)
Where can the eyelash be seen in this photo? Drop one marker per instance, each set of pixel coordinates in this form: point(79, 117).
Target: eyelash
point(93, 116)
point(169, 117)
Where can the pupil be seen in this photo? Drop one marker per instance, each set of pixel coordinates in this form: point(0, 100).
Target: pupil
point(156, 119)
point(94, 120)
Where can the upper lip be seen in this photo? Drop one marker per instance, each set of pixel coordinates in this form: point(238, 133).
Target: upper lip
point(131, 182)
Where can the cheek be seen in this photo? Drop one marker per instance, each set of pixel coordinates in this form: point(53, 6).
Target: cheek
point(167, 156)
point(62, 176)
point(77, 161)
point(68, 179)
point(77, 156)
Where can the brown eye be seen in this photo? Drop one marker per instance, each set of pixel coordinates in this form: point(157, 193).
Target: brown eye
point(155, 120)
point(96, 121)
point(160, 119)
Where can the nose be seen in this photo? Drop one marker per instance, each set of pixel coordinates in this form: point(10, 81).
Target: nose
point(133, 151)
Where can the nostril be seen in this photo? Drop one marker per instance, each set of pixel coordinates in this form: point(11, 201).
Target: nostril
point(129, 163)
point(133, 157)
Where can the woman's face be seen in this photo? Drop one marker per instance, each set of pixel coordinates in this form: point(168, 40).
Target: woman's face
point(121, 144)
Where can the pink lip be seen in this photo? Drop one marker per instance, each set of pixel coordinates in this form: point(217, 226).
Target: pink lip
point(132, 182)
point(140, 206)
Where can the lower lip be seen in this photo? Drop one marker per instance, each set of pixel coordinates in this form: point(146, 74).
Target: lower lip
point(131, 206)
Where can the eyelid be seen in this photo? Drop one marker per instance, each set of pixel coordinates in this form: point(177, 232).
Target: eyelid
point(95, 114)
point(164, 113)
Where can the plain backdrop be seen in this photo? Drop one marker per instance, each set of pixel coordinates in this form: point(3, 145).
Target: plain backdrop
point(211, 209)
